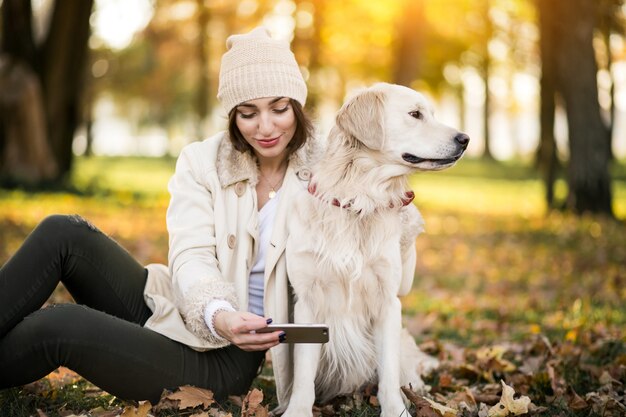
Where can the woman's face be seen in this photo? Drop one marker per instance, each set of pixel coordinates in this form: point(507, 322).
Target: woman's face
point(267, 124)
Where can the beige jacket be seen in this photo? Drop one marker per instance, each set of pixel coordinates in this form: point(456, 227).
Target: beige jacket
point(212, 221)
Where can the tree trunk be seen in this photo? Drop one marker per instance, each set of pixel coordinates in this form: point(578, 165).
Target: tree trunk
point(547, 161)
point(486, 70)
point(588, 171)
point(410, 43)
point(63, 74)
point(203, 100)
point(25, 155)
point(24, 150)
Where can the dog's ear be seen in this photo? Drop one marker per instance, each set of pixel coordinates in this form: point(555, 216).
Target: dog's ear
point(363, 118)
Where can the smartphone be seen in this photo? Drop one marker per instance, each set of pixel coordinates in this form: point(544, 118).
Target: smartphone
point(299, 333)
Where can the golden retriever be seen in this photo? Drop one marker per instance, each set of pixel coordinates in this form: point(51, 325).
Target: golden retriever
point(349, 251)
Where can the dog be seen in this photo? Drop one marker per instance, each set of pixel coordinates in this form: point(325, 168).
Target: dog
point(350, 253)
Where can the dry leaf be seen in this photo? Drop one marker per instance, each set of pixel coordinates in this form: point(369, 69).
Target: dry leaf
point(202, 414)
point(576, 402)
point(442, 409)
point(509, 405)
point(422, 407)
point(140, 411)
point(252, 405)
point(62, 377)
point(190, 397)
point(41, 413)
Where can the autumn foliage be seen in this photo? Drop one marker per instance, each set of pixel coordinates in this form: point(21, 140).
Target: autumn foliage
point(506, 295)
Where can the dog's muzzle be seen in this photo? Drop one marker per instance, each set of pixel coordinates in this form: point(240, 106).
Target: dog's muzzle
point(461, 139)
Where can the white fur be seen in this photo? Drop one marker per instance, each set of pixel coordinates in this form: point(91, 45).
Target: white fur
point(345, 264)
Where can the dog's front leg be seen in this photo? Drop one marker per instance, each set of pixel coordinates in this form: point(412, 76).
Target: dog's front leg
point(306, 360)
point(389, 327)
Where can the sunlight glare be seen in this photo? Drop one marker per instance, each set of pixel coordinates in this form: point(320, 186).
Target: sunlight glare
point(117, 21)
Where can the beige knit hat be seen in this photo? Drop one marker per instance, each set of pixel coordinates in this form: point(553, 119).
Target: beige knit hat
point(256, 66)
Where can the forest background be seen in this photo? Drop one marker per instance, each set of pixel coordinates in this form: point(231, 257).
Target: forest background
point(521, 273)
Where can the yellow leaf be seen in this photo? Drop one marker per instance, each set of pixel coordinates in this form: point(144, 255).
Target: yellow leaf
point(509, 405)
point(190, 397)
point(141, 411)
point(442, 409)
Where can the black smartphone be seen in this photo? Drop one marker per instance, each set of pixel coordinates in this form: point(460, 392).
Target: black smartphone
point(299, 333)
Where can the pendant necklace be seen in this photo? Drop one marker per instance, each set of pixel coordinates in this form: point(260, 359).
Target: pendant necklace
point(273, 188)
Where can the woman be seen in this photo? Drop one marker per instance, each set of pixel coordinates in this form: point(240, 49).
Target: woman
point(192, 323)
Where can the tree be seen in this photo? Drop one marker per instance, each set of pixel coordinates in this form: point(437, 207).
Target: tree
point(547, 160)
point(575, 79)
point(41, 90)
point(410, 43)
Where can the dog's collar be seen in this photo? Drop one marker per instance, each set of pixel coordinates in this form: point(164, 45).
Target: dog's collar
point(406, 200)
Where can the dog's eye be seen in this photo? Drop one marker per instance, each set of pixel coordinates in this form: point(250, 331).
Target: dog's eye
point(417, 114)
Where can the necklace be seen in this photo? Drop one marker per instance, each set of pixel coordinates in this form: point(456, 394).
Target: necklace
point(273, 187)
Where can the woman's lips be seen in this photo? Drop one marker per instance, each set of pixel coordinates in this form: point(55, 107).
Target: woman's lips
point(268, 143)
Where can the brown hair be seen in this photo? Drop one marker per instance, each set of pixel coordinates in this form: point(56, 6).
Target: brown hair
point(304, 130)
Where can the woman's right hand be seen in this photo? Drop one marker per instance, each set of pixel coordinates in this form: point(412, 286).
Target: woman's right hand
point(237, 327)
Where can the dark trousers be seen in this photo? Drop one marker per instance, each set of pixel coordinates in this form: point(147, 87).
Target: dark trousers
point(101, 337)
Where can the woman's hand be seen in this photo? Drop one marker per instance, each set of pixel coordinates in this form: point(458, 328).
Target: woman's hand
point(238, 326)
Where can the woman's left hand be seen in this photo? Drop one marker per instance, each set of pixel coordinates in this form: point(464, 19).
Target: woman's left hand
point(238, 327)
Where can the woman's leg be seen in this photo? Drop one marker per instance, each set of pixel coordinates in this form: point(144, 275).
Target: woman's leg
point(123, 358)
point(94, 268)
point(117, 355)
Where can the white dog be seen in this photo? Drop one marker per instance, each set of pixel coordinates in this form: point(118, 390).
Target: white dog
point(350, 252)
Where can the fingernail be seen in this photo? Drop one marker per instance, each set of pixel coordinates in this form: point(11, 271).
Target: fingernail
point(269, 321)
point(281, 337)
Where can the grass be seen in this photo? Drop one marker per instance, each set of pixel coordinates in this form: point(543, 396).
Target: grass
point(495, 267)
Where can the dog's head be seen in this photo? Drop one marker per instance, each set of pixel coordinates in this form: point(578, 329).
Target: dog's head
point(399, 122)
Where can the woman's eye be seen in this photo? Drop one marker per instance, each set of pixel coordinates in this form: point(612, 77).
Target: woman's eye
point(284, 109)
point(417, 114)
point(246, 116)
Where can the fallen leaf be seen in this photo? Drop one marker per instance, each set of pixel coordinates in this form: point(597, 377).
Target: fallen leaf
point(442, 409)
point(509, 405)
point(422, 407)
point(252, 405)
point(102, 412)
point(202, 414)
point(374, 401)
point(62, 377)
point(576, 402)
point(41, 413)
point(190, 397)
point(140, 411)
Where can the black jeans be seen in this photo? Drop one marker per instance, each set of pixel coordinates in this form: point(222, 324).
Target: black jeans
point(101, 337)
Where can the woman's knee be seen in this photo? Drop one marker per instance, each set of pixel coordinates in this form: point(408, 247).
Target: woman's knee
point(58, 228)
point(56, 223)
point(53, 322)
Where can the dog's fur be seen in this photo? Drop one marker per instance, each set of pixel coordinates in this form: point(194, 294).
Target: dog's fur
point(348, 237)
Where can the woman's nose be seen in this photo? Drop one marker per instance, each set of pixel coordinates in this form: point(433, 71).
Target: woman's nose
point(266, 126)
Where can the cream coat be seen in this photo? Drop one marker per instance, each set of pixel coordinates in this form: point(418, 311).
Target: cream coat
point(212, 221)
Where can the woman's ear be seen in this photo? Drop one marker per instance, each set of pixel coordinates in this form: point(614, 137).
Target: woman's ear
point(363, 117)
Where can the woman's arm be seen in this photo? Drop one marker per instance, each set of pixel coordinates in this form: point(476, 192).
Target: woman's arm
point(193, 264)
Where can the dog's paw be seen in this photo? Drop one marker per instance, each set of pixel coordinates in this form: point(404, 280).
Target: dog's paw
point(426, 363)
point(395, 412)
point(297, 411)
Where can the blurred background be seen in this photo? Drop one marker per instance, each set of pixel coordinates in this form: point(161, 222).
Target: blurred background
point(538, 81)
point(525, 237)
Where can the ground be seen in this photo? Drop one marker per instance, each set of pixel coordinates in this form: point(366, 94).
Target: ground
point(504, 291)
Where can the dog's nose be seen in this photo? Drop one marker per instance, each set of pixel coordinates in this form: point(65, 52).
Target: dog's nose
point(462, 139)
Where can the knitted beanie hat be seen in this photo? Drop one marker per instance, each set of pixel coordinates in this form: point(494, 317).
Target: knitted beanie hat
point(256, 66)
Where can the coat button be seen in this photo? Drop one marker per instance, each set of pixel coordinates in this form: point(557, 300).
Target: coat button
point(240, 189)
point(304, 174)
point(231, 241)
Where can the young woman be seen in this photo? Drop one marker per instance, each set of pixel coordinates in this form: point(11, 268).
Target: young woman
point(192, 323)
